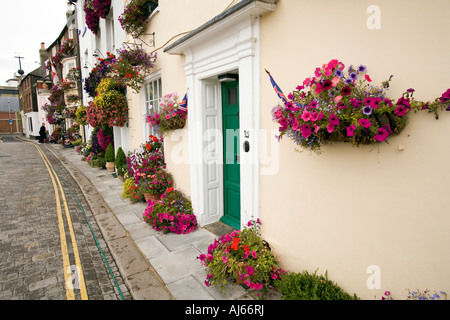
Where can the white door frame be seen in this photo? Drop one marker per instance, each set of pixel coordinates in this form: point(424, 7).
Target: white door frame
point(232, 44)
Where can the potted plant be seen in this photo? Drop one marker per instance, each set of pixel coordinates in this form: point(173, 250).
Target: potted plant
point(154, 183)
point(109, 157)
point(171, 213)
point(244, 256)
point(121, 163)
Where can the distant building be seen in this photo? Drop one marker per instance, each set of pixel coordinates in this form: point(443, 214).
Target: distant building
point(9, 110)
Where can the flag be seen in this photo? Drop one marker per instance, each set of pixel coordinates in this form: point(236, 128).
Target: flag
point(54, 74)
point(277, 88)
point(183, 104)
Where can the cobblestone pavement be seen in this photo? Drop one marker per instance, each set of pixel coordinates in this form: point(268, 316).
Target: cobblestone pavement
point(31, 256)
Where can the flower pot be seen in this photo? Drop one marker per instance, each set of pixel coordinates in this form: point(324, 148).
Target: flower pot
point(152, 197)
point(110, 166)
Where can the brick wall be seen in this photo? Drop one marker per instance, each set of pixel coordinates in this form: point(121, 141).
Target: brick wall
point(5, 127)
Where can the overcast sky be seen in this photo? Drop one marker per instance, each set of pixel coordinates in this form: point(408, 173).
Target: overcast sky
point(24, 24)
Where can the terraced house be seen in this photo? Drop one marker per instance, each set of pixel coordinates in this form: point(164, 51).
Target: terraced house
point(371, 206)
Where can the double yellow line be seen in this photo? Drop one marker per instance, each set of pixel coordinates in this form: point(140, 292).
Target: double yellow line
point(68, 276)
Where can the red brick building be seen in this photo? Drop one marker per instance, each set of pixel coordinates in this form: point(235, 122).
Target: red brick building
point(9, 110)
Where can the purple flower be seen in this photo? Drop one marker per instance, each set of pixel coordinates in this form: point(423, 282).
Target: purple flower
point(367, 110)
point(353, 76)
point(362, 68)
point(339, 73)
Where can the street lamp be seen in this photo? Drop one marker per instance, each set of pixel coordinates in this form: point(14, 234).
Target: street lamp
point(10, 120)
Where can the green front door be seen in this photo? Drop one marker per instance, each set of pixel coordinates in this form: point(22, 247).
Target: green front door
point(231, 166)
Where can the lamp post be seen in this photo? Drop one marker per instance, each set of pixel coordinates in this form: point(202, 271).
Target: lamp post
point(10, 120)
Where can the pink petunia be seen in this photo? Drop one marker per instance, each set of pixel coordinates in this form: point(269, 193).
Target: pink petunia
point(368, 78)
point(400, 110)
point(351, 130)
point(381, 135)
point(306, 131)
point(250, 270)
point(306, 116)
point(365, 123)
point(334, 120)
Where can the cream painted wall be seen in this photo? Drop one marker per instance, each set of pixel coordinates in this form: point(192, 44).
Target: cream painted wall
point(169, 25)
point(351, 208)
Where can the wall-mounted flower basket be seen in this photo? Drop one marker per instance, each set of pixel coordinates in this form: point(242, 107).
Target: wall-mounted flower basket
point(92, 17)
point(134, 18)
point(343, 106)
point(101, 7)
point(171, 116)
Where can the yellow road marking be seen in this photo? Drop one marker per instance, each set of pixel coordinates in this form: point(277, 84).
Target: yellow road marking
point(66, 263)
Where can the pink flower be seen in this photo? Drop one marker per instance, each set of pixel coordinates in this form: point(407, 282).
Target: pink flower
point(400, 110)
point(351, 130)
point(254, 254)
point(368, 78)
point(338, 98)
point(250, 270)
point(334, 121)
point(314, 116)
point(316, 128)
point(335, 81)
point(224, 259)
point(306, 116)
point(306, 131)
point(364, 123)
point(381, 135)
point(330, 128)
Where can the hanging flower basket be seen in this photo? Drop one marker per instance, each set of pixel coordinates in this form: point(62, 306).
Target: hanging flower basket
point(338, 105)
point(134, 19)
point(101, 7)
point(171, 117)
point(92, 17)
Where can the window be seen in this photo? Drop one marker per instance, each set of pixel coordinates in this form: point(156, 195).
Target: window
point(152, 95)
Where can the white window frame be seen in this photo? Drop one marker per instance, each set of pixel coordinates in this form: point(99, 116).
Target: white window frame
point(155, 79)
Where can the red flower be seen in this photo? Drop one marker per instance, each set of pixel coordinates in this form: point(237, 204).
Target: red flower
point(235, 244)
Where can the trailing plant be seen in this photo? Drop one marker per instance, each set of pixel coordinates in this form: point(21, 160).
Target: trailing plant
point(81, 115)
point(92, 17)
point(310, 286)
point(170, 117)
point(338, 105)
point(130, 191)
point(418, 295)
point(101, 7)
point(111, 105)
point(105, 137)
point(146, 158)
point(132, 65)
point(134, 18)
point(100, 71)
point(245, 257)
point(171, 213)
point(155, 181)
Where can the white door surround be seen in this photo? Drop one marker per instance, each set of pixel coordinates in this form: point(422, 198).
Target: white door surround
point(229, 44)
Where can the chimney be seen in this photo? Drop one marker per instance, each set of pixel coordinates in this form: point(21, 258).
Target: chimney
point(43, 53)
point(69, 11)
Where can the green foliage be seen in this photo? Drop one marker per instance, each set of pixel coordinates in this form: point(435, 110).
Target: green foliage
point(130, 190)
point(98, 162)
point(109, 153)
point(121, 158)
point(306, 286)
